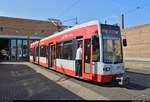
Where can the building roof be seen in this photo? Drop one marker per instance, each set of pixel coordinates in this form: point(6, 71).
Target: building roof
point(139, 26)
point(11, 26)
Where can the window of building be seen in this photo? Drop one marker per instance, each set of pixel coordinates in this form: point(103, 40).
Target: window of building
point(42, 31)
point(25, 49)
point(19, 50)
point(1, 29)
point(67, 50)
point(13, 49)
point(42, 51)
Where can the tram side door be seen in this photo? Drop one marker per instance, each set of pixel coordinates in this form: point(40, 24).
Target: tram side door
point(51, 55)
point(87, 59)
point(37, 55)
point(33, 53)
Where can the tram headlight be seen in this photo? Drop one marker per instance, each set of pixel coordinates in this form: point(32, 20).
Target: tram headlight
point(106, 69)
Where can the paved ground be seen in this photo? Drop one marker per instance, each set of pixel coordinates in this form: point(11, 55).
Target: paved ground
point(22, 82)
point(138, 89)
point(138, 66)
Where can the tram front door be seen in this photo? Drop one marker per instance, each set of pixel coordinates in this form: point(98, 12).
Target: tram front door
point(87, 59)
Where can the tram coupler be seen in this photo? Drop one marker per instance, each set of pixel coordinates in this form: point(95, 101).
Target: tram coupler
point(123, 80)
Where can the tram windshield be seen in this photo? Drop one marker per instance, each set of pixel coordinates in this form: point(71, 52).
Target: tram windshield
point(112, 48)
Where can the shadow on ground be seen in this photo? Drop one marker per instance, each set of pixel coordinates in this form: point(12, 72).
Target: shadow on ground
point(138, 81)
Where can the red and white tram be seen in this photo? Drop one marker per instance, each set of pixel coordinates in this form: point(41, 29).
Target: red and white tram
point(102, 52)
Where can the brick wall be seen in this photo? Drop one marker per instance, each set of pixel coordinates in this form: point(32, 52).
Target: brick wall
point(138, 39)
point(18, 26)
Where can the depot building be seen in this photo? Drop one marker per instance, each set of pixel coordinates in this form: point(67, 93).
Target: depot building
point(16, 34)
point(138, 39)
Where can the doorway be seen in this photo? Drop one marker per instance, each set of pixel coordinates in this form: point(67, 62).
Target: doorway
point(51, 55)
point(4, 49)
point(87, 59)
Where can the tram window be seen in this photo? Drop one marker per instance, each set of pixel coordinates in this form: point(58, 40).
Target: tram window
point(96, 50)
point(87, 50)
point(59, 48)
point(67, 50)
point(42, 51)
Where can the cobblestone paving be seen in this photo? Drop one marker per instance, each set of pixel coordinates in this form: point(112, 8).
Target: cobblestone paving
point(19, 82)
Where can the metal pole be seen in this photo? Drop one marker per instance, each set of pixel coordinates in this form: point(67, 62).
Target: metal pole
point(122, 21)
point(105, 21)
point(76, 20)
point(28, 38)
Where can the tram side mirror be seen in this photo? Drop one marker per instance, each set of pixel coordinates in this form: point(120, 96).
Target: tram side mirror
point(125, 42)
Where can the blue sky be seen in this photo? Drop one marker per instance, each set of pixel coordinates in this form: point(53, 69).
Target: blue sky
point(136, 11)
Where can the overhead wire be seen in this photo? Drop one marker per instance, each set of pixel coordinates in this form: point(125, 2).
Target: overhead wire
point(69, 8)
point(138, 8)
point(135, 9)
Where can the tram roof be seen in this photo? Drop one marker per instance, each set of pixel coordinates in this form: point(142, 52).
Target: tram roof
point(34, 42)
point(73, 28)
